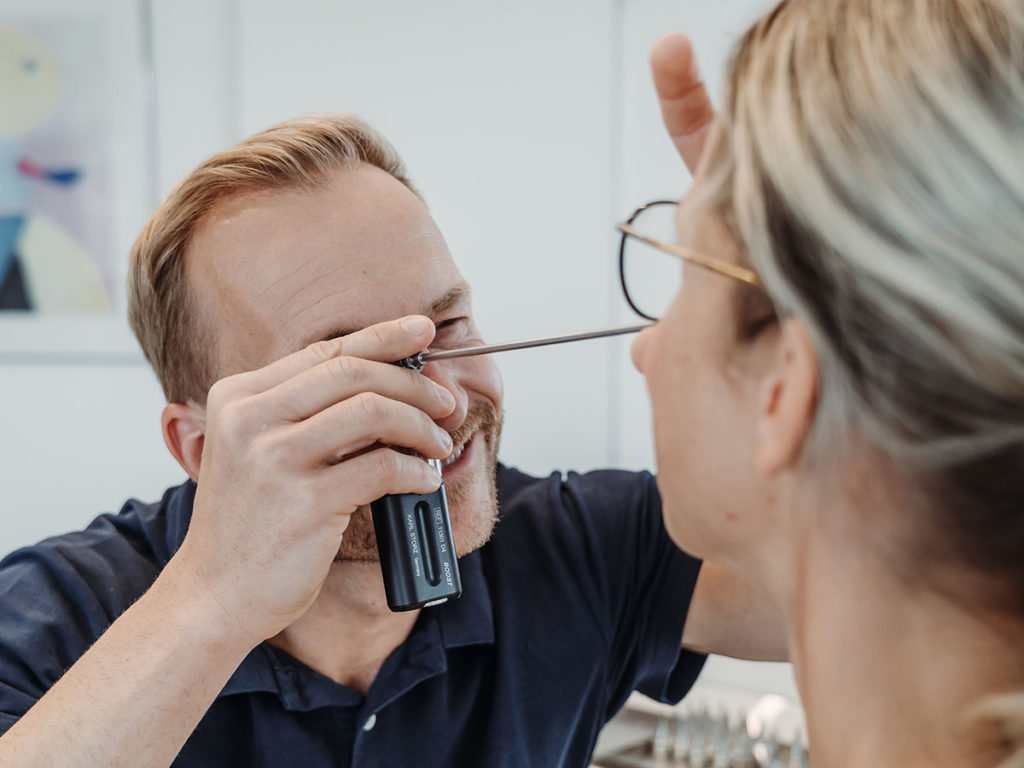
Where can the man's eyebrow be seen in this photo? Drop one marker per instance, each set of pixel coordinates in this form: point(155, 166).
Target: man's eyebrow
point(459, 293)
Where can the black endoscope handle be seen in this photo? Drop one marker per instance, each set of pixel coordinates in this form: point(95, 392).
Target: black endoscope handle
point(415, 542)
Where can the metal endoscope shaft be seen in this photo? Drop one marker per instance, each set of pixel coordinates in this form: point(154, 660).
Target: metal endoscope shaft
point(417, 361)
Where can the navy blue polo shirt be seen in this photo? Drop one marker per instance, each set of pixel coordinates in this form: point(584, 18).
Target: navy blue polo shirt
point(578, 599)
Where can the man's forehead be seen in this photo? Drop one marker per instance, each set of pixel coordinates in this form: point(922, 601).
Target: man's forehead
point(458, 295)
point(302, 265)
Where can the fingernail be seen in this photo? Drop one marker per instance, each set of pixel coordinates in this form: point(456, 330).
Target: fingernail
point(416, 324)
point(446, 439)
point(447, 397)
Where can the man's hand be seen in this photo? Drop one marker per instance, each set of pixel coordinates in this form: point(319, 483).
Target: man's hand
point(686, 108)
point(734, 617)
point(290, 451)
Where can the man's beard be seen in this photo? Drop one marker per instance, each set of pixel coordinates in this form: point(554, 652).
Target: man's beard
point(472, 501)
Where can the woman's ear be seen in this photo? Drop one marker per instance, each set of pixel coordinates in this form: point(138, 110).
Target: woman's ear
point(184, 428)
point(787, 402)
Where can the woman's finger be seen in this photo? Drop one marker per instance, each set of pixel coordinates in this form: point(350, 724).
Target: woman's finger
point(686, 108)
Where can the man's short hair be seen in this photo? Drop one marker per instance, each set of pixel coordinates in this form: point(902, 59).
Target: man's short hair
point(162, 307)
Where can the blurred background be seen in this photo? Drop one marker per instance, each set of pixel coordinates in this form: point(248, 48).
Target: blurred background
point(530, 126)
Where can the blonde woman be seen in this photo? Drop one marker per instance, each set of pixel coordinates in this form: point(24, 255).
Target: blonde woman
point(838, 381)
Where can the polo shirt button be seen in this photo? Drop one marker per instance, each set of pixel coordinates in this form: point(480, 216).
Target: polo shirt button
point(370, 722)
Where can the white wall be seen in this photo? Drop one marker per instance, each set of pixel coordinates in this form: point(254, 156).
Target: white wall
point(531, 127)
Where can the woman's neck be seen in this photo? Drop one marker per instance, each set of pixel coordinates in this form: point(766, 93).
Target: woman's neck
point(886, 671)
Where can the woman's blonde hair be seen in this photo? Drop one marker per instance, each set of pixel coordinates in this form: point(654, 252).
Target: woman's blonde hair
point(303, 152)
point(870, 161)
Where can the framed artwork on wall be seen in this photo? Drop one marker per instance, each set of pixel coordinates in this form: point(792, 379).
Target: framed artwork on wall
point(76, 174)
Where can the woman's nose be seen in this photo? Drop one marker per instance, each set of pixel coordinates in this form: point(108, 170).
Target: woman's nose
point(441, 373)
point(638, 350)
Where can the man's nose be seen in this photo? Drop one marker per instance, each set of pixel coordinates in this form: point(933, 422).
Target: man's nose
point(441, 373)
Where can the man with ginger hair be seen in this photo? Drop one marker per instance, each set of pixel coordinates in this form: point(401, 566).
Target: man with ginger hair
point(241, 621)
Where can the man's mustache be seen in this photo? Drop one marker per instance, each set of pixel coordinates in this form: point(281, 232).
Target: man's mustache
point(479, 415)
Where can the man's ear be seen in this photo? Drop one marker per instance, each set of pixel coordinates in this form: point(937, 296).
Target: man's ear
point(184, 428)
point(788, 401)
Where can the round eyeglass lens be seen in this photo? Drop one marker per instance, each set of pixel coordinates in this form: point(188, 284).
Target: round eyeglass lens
point(651, 275)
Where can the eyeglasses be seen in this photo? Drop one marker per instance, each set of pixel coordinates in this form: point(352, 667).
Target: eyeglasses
point(649, 263)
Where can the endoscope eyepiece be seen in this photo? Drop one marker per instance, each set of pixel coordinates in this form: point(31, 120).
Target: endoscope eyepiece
point(413, 363)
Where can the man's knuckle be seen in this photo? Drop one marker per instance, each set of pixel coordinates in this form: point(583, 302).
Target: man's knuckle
point(220, 393)
point(388, 464)
point(379, 334)
point(425, 425)
point(273, 450)
point(231, 421)
point(327, 349)
point(371, 406)
point(346, 370)
point(240, 421)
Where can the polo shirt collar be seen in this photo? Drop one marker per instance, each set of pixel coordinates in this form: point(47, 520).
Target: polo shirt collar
point(470, 619)
point(466, 621)
point(456, 624)
point(179, 514)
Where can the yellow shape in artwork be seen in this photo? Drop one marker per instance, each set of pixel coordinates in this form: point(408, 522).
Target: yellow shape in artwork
point(30, 82)
point(59, 274)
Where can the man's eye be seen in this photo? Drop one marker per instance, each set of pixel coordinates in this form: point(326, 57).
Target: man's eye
point(450, 324)
point(452, 332)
